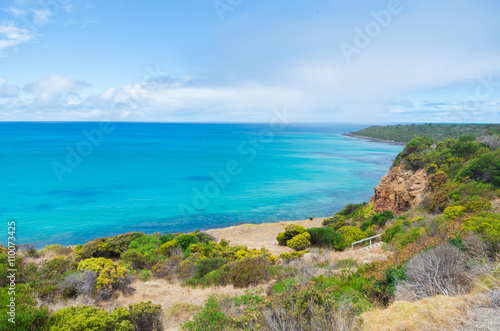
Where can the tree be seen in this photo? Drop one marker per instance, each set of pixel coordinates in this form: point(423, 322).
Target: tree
point(418, 144)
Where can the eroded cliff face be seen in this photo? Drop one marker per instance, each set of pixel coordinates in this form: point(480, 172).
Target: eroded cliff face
point(400, 190)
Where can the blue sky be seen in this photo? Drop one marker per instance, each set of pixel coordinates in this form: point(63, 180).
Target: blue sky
point(241, 60)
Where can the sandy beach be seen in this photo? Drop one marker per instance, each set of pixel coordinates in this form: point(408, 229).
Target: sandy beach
point(260, 235)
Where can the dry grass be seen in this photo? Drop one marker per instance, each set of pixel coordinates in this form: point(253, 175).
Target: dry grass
point(159, 291)
point(179, 314)
point(361, 255)
point(436, 313)
point(48, 255)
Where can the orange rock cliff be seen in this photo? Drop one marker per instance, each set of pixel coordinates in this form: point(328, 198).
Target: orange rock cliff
point(400, 190)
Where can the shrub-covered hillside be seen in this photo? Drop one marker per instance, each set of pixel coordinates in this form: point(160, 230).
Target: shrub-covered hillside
point(447, 246)
point(438, 132)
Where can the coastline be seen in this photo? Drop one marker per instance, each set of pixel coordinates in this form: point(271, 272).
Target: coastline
point(260, 235)
point(254, 235)
point(375, 140)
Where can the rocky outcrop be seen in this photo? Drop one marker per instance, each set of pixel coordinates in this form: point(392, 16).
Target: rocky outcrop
point(400, 190)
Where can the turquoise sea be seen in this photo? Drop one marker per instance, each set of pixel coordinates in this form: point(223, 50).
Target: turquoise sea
point(71, 182)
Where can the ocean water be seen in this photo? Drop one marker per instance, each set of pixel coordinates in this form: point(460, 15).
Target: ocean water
point(72, 182)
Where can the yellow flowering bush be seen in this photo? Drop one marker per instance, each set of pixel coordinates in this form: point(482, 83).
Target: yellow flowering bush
point(108, 273)
point(292, 255)
point(300, 242)
point(454, 212)
point(166, 247)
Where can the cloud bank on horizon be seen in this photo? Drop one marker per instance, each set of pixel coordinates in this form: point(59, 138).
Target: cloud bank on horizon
point(239, 60)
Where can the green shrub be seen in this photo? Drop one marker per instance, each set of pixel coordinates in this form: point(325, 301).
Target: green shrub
point(326, 237)
point(187, 268)
point(83, 318)
point(218, 277)
point(249, 271)
point(57, 266)
point(300, 241)
point(366, 225)
point(401, 240)
point(441, 190)
point(393, 230)
point(431, 169)
point(292, 255)
point(476, 206)
point(454, 212)
point(203, 237)
point(328, 221)
point(206, 265)
point(144, 275)
point(186, 240)
point(166, 237)
point(487, 226)
point(290, 231)
point(338, 224)
point(30, 251)
point(202, 248)
point(28, 316)
point(370, 232)
point(349, 210)
point(147, 244)
point(459, 243)
point(486, 168)
point(119, 244)
point(146, 316)
point(134, 259)
point(91, 249)
point(464, 147)
point(211, 318)
point(418, 144)
point(45, 280)
point(382, 218)
point(351, 234)
point(316, 301)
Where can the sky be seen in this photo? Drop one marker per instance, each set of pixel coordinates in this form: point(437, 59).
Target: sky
point(339, 61)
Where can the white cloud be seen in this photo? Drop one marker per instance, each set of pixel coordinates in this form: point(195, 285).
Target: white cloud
point(7, 90)
point(17, 12)
point(165, 101)
point(11, 36)
point(51, 88)
point(57, 98)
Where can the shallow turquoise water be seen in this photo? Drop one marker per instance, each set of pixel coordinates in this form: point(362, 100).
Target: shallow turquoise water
point(61, 185)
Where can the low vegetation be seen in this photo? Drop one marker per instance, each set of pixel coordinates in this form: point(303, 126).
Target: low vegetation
point(438, 132)
point(439, 253)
